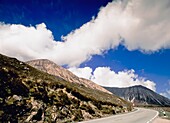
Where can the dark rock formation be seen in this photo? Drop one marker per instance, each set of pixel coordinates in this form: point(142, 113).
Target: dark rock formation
point(140, 95)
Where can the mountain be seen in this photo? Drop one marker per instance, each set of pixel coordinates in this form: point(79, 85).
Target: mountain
point(140, 95)
point(30, 95)
point(53, 69)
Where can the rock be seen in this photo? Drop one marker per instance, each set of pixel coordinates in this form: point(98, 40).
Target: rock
point(140, 95)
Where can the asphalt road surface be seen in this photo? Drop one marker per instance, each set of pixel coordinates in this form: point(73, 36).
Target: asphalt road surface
point(141, 115)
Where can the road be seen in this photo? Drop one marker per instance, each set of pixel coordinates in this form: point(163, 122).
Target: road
point(141, 115)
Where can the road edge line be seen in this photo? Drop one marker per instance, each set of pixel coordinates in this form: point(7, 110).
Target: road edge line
point(157, 113)
point(131, 112)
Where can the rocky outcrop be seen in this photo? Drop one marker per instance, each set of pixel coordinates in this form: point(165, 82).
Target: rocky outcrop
point(29, 95)
point(53, 69)
point(140, 95)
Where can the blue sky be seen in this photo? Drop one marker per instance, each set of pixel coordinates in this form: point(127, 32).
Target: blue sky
point(145, 54)
point(60, 16)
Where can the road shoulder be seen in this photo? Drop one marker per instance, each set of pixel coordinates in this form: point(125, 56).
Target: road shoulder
point(160, 120)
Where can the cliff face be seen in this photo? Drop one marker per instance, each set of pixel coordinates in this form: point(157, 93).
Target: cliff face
point(53, 69)
point(30, 95)
point(140, 95)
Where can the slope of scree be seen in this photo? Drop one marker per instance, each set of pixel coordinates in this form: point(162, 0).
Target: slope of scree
point(53, 69)
point(29, 95)
point(140, 95)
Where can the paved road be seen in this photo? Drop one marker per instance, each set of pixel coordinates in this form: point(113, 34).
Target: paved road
point(139, 116)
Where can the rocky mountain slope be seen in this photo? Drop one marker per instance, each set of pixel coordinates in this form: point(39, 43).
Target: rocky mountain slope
point(53, 69)
point(140, 95)
point(29, 95)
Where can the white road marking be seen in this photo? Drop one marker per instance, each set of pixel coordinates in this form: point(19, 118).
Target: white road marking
point(153, 117)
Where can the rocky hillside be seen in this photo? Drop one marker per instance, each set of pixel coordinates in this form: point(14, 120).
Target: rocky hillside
point(140, 95)
point(29, 95)
point(53, 69)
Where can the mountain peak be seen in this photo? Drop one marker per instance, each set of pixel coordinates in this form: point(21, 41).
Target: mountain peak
point(140, 86)
point(56, 70)
point(140, 95)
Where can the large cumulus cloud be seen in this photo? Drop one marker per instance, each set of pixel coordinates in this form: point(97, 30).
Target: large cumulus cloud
point(104, 76)
point(137, 24)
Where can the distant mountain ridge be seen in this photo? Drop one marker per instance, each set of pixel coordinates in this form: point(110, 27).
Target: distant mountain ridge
point(140, 95)
point(56, 70)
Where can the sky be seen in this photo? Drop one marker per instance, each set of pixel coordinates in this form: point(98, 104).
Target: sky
point(117, 43)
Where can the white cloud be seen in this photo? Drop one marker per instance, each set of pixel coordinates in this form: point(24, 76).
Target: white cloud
point(85, 72)
point(25, 42)
point(104, 76)
point(166, 93)
point(143, 24)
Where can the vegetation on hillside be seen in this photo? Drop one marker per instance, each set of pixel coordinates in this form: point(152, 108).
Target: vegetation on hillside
point(28, 95)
